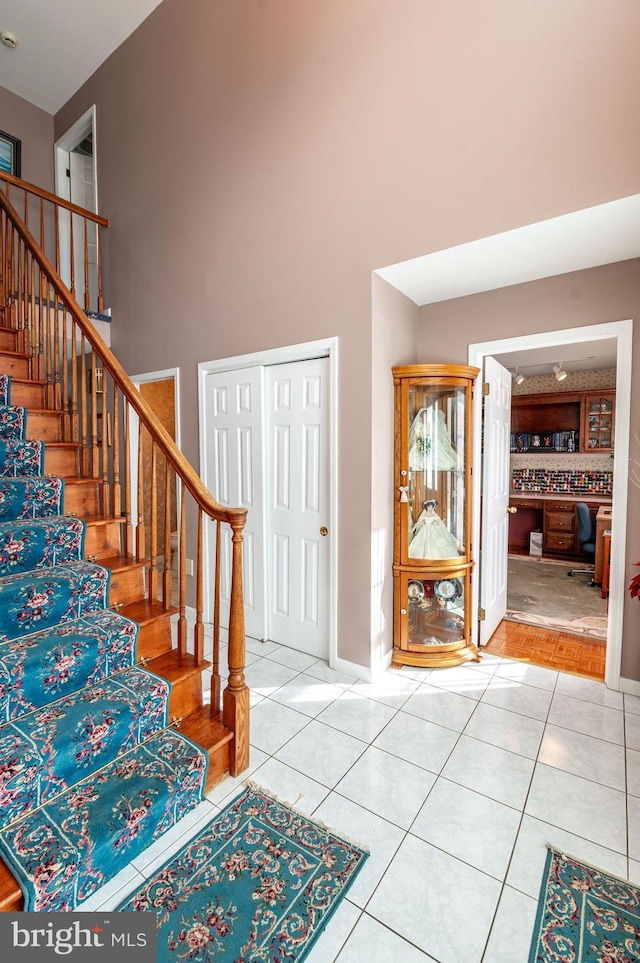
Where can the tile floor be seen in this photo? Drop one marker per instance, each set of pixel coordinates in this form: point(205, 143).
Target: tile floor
point(454, 779)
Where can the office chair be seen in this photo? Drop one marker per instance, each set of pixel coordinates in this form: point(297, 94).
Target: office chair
point(587, 539)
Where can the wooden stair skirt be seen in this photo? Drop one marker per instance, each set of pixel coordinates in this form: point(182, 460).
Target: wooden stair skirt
point(103, 544)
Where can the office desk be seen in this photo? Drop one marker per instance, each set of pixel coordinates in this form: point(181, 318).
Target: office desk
point(603, 522)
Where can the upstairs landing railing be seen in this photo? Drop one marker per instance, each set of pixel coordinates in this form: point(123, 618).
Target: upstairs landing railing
point(85, 381)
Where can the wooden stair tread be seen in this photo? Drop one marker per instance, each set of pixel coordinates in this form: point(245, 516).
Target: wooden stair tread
point(11, 898)
point(143, 612)
point(4, 352)
point(174, 667)
point(119, 563)
point(205, 729)
point(103, 519)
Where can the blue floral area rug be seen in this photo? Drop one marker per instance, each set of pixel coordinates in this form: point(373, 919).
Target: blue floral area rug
point(259, 883)
point(64, 851)
point(13, 421)
point(45, 752)
point(31, 601)
point(585, 915)
point(20, 458)
point(40, 543)
point(5, 389)
point(37, 668)
point(31, 497)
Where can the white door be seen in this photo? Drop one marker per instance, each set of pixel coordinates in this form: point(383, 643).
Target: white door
point(495, 497)
point(83, 193)
point(297, 501)
point(234, 473)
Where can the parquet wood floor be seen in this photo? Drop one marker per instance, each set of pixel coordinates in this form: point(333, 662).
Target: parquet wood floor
point(555, 650)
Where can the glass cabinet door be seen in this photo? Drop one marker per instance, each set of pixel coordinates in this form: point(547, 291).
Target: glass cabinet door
point(599, 423)
point(435, 473)
point(435, 611)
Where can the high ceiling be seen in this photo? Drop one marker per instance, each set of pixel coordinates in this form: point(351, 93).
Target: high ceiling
point(61, 43)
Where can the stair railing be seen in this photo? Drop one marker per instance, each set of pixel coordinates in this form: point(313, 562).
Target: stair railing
point(86, 382)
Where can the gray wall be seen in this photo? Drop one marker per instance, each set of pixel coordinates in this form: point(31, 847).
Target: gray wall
point(259, 160)
point(34, 127)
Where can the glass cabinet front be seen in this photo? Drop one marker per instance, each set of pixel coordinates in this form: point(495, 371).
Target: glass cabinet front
point(599, 428)
point(432, 565)
point(435, 522)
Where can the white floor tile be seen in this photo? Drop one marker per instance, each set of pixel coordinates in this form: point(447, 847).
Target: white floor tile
point(418, 741)
point(588, 690)
point(579, 806)
point(633, 805)
point(373, 942)
point(272, 725)
point(437, 894)
point(462, 679)
point(292, 658)
point(326, 754)
point(489, 770)
point(333, 938)
point(527, 865)
point(632, 703)
point(221, 792)
point(437, 705)
point(512, 929)
point(583, 756)
point(320, 670)
point(265, 676)
point(632, 730)
point(534, 675)
point(367, 830)
point(357, 716)
point(306, 694)
point(451, 817)
point(290, 786)
point(391, 688)
point(633, 772)
point(587, 717)
point(388, 786)
point(527, 700)
point(506, 729)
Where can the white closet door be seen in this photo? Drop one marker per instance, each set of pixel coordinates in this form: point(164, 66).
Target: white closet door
point(234, 473)
point(296, 411)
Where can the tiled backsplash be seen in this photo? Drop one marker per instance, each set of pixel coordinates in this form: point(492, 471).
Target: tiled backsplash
point(562, 482)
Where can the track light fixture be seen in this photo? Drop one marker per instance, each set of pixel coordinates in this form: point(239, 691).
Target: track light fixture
point(517, 378)
point(559, 372)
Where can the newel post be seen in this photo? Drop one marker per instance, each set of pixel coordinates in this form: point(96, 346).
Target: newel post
point(235, 698)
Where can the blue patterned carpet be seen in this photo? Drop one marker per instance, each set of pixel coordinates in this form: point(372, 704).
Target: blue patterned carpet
point(259, 883)
point(585, 915)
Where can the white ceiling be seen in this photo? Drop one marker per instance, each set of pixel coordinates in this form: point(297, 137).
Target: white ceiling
point(62, 42)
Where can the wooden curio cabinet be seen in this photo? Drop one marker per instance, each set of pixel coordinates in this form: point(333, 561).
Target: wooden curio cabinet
point(597, 429)
point(432, 520)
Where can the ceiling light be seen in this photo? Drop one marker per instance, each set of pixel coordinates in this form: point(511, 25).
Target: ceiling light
point(559, 372)
point(517, 378)
point(9, 39)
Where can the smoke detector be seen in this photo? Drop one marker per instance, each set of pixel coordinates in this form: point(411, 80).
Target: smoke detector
point(9, 39)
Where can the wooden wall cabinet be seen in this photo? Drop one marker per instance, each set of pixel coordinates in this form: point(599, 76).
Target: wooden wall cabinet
point(563, 421)
point(432, 519)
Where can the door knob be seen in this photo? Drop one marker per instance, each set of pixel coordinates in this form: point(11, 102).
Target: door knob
point(512, 509)
point(324, 530)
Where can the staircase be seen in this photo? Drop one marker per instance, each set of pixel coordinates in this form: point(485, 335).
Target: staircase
point(97, 683)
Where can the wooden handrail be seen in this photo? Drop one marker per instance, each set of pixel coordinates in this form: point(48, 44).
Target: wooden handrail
point(58, 201)
point(233, 516)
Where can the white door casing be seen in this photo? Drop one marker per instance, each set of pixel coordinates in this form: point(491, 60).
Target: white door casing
point(297, 504)
point(495, 497)
point(234, 458)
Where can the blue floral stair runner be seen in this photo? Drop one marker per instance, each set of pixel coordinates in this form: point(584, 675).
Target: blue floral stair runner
point(90, 774)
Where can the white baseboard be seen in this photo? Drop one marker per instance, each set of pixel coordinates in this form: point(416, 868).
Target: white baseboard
point(360, 672)
point(632, 686)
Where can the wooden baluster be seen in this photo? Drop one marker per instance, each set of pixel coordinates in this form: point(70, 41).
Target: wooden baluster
point(235, 699)
point(56, 222)
point(216, 683)
point(33, 320)
point(140, 526)
point(57, 395)
point(99, 255)
point(116, 494)
point(20, 302)
point(128, 527)
point(84, 414)
point(41, 312)
point(74, 433)
point(48, 362)
point(95, 451)
point(166, 574)
point(104, 411)
point(86, 266)
point(182, 575)
point(153, 524)
point(198, 630)
point(66, 401)
point(72, 258)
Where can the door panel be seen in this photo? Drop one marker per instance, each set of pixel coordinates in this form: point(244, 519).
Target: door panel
point(234, 470)
point(495, 497)
point(297, 483)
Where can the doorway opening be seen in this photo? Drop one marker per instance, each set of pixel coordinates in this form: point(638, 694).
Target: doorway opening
point(493, 552)
point(76, 181)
